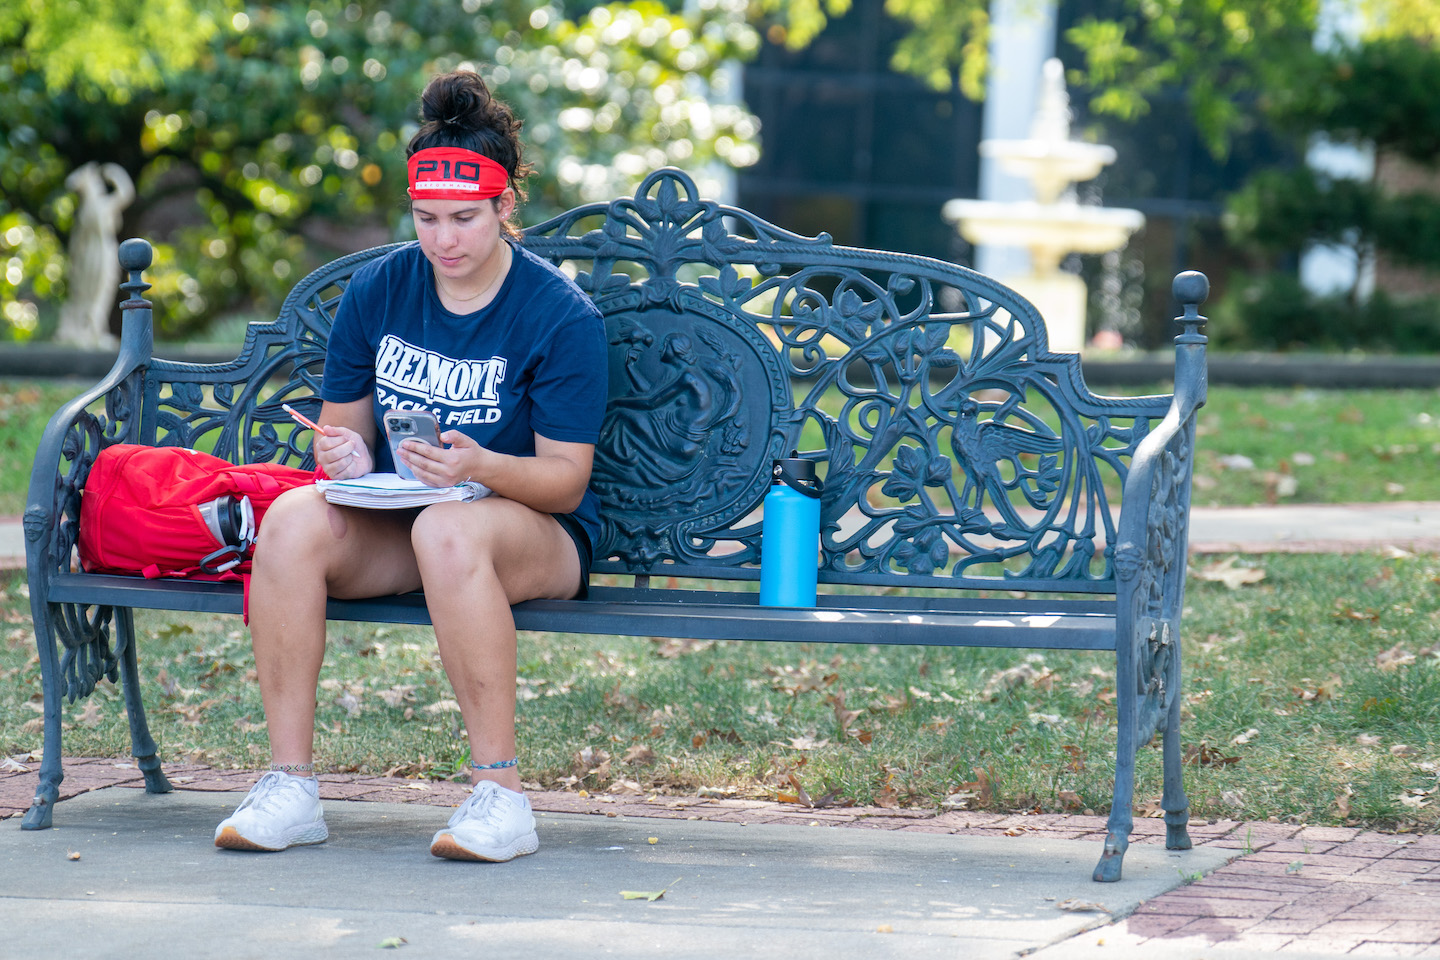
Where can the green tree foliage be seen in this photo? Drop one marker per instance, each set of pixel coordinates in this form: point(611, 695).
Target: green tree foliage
point(1379, 92)
point(105, 50)
point(1225, 54)
point(947, 39)
point(1382, 90)
point(274, 141)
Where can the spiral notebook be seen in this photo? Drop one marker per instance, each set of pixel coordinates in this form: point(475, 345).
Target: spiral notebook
point(388, 491)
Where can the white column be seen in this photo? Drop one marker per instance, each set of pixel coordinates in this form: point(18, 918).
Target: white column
point(1022, 38)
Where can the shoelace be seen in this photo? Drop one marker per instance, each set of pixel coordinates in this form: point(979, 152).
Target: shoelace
point(479, 805)
point(265, 793)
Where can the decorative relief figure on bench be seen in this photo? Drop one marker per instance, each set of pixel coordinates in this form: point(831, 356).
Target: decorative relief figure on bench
point(661, 432)
point(676, 448)
point(94, 266)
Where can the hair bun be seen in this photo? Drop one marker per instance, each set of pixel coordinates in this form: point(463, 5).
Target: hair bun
point(457, 100)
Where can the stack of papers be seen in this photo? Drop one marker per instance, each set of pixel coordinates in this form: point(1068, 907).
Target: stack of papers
point(387, 491)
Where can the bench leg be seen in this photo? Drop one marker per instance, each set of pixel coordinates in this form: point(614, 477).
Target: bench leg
point(47, 792)
point(1121, 822)
point(1173, 800)
point(142, 745)
point(1122, 816)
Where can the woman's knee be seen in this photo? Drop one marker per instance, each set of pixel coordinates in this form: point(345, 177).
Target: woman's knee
point(300, 523)
point(445, 533)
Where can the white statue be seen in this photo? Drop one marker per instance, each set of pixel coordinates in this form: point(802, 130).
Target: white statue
point(94, 267)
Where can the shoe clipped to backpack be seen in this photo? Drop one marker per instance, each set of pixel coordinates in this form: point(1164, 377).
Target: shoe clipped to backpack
point(280, 811)
point(493, 824)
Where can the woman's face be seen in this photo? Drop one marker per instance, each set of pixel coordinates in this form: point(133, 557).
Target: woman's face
point(459, 237)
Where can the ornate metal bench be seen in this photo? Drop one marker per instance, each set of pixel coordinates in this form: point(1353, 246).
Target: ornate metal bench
point(957, 451)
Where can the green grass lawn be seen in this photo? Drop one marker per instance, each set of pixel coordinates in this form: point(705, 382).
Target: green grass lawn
point(25, 408)
point(1312, 695)
point(1312, 446)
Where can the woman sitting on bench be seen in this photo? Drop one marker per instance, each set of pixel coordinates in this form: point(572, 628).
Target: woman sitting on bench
point(510, 356)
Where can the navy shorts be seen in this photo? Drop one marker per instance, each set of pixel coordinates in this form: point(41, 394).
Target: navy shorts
point(583, 549)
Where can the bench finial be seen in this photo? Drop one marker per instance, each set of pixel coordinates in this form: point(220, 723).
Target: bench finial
point(136, 256)
point(1191, 288)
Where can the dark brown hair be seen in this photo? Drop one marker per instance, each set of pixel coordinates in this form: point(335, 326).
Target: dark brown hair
point(458, 110)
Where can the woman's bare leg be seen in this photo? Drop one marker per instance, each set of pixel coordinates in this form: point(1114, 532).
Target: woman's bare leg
point(309, 549)
point(475, 560)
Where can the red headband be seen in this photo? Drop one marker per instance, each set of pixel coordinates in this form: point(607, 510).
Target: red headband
point(453, 173)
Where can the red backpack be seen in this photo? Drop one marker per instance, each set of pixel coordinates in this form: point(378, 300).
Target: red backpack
point(173, 512)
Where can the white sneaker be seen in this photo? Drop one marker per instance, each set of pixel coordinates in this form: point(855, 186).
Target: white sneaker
point(492, 824)
point(280, 811)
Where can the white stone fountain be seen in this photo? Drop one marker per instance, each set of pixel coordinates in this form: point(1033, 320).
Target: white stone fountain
point(1053, 224)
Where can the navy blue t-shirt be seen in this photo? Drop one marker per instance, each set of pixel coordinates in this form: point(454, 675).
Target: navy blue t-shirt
point(532, 361)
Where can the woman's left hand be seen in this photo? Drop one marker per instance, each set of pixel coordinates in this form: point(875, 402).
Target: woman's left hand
point(444, 466)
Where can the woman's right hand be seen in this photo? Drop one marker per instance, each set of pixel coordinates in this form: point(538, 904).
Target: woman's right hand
point(342, 453)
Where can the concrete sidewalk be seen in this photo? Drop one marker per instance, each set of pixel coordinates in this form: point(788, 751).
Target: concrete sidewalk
point(148, 869)
point(743, 878)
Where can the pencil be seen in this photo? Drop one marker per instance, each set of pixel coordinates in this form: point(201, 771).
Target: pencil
point(305, 421)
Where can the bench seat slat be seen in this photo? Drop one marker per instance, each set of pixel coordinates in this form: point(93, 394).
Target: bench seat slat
point(731, 621)
point(695, 615)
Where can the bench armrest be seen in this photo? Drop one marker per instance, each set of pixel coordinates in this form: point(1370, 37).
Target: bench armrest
point(1153, 531)
point(75, 435)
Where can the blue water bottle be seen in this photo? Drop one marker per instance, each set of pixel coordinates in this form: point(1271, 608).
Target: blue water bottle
point(790, 545)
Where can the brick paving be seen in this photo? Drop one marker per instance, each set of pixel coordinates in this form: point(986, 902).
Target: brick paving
point(1293, 889)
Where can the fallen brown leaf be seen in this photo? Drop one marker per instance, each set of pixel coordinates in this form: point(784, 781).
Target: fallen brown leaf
point(639, 755)
point(801, 797)
point(1345, 611)
point(1394, 658)
point(1076, 905)
point(670, 648)
point(1205, 756)
point(1225, 571)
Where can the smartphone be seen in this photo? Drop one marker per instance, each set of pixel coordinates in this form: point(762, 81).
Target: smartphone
point(405, 424)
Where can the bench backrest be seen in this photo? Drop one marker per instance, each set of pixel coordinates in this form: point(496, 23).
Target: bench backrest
point(957, 451)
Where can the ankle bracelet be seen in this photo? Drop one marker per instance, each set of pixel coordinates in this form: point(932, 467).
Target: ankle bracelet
point(294, 769)
point(503, 764)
